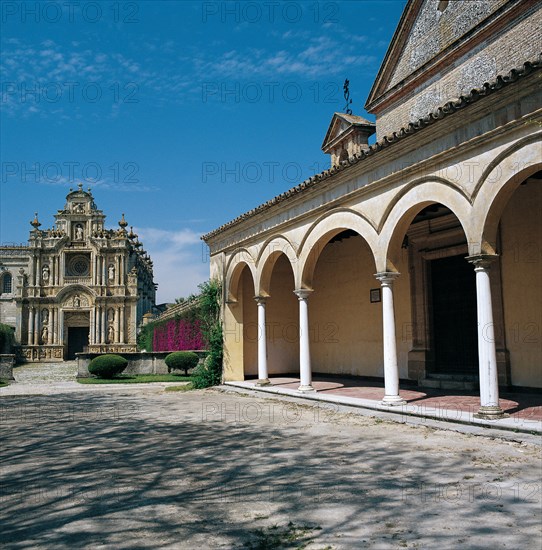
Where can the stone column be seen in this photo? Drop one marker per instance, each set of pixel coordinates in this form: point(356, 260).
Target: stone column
point(122, 324)
point(487, 356)
point(38, 272)
point(391, 369)
point(304, 341)
point(104, 272)
point(50, 327)
point(54, 313)
point(61, 327)
point(116, 325)
point(36, 326)
point(263, 379)
point(103, 324)
point(30, 325)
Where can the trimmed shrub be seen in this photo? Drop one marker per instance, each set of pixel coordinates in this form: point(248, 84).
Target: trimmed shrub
point(107, 366)
point(181, 360)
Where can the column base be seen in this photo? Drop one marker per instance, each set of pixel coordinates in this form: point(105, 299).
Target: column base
point(262, 382)
point(305, 389)
point(393, 401)
point(492, 412)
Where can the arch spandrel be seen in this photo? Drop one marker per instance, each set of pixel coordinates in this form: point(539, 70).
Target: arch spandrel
point(322, 231)
point(404, 209)
point(497, 185)
point(236, 263)
point(269, 254)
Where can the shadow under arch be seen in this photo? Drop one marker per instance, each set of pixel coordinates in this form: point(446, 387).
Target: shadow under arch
point(325, 229)
point(69, 289)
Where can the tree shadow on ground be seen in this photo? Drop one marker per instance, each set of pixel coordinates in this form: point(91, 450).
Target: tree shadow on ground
point(209, 470)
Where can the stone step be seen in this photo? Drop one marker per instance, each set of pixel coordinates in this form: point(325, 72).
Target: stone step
point(467, 384)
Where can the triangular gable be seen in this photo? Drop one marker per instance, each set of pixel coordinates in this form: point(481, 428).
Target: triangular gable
point(341, 125)
point(427, 31)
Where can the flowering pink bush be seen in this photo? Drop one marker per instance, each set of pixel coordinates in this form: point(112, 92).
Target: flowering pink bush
point(178, 335)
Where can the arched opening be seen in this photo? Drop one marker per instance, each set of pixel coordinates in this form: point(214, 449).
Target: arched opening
point(518, 238)
point(282, 319)
point(240, 326)
point(345, 323)
point(430, 243)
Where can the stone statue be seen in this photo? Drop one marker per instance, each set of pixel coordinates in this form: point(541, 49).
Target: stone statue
point(45, 274)
point(44, 334)
point(111, 272)
point(76, 301)
point(79, 233)
point(110, 333)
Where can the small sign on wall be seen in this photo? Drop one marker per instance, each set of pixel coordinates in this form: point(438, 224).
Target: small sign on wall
point(375, 295)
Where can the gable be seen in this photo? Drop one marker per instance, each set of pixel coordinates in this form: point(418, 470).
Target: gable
point(426, 33)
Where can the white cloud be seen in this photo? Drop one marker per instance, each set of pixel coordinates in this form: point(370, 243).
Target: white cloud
point(180, 260)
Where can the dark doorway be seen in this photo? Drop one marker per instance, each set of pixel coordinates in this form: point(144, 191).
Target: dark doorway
point(77, 340)
point(455, 335)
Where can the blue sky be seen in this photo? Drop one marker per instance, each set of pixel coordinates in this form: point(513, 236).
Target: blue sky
point(182, 115)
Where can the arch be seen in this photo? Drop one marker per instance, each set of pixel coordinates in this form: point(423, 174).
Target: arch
point(269, 254)
point(6, 286)
point(404, 208)
point(73, 288)
point(325, 228)
point(241, 258)
point(497, 185)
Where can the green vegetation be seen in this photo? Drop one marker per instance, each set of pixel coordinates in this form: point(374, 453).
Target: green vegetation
point(107, 366)
point(181, 360)
point(275, 537)
point(7, 338)
point(3, 383)
point(136, 379)
point(209, 373)
point(184, 387)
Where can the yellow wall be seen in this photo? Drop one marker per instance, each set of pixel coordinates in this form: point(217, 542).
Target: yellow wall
point(282, 317)
point(521, 251)
point(250, 324)
point(346, 327)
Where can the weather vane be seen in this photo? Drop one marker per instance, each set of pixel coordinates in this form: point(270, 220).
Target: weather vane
point(346, 90)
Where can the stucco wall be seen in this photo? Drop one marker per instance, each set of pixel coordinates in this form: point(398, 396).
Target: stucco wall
point(521, 234)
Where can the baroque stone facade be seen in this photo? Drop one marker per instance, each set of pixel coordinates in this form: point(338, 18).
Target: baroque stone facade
point(418, 257)
point(77, 286)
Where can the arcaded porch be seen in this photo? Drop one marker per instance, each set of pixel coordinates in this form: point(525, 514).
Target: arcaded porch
point(524, 409)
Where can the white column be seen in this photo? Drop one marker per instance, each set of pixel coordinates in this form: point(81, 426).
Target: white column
point(116, 325)
point(104, 272)
point(61, 328)
point(487, 356)
point(391, 369)
point(304, 341)
point(263, 379)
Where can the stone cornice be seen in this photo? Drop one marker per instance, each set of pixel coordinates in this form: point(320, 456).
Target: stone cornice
point(412, 129)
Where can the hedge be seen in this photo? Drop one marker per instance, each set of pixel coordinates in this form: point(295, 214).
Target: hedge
point(107, 366)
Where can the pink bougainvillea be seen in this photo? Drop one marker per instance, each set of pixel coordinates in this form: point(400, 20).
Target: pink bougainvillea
point(178, 335)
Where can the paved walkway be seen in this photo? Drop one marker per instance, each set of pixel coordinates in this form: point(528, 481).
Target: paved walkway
point(525, 410)
point(213, 470)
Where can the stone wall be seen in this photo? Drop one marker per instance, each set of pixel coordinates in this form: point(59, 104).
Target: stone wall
point(497, 56)
point(138, 363)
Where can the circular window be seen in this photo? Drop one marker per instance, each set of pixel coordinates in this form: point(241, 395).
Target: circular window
point(78, 266)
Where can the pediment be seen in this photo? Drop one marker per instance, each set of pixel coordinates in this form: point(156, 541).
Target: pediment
point(427, 31)
point(342, 125)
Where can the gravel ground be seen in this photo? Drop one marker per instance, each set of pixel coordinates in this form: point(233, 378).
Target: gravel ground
point(152, 469)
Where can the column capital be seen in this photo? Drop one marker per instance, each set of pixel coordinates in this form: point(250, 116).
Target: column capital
point(482, 261)
point(303, 293)
point(260, 300)
point(387, 277)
